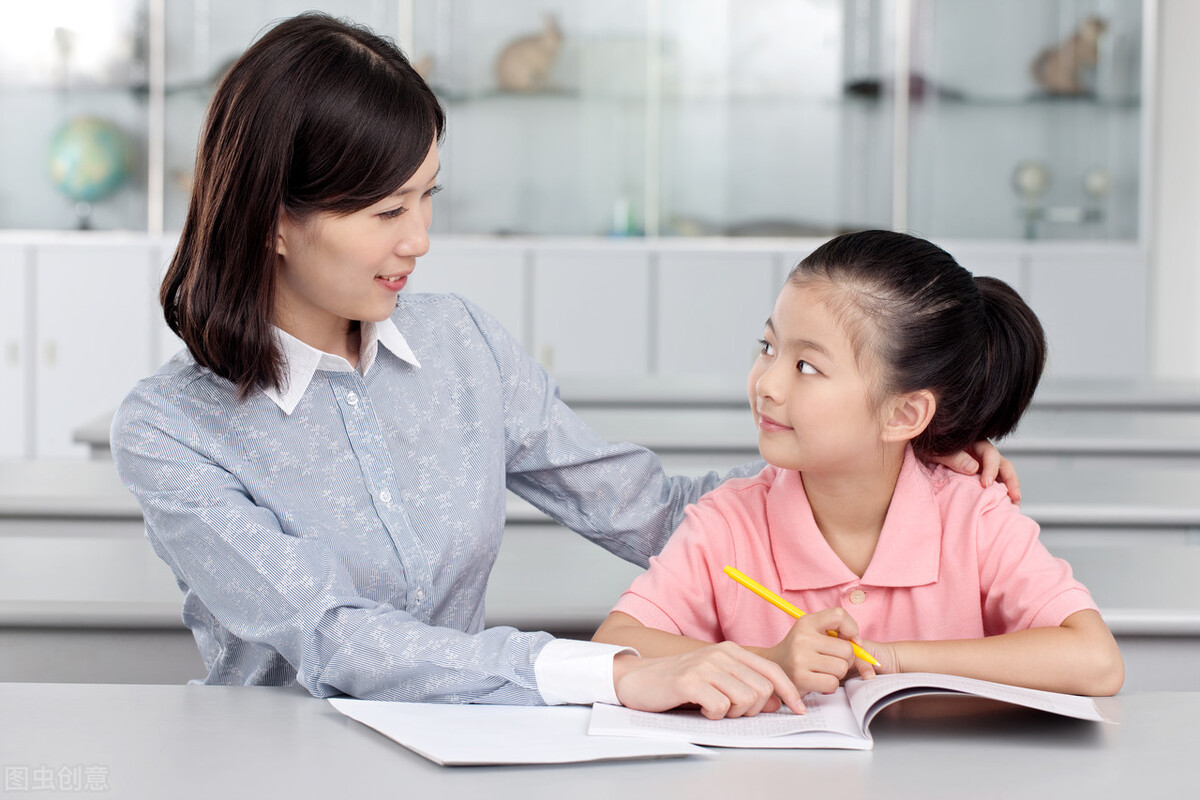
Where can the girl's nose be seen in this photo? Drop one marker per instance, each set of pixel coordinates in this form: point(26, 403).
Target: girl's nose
point(769, 384)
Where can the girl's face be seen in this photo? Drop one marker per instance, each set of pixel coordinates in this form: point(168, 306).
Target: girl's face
point(333, 269)
point(811, 401)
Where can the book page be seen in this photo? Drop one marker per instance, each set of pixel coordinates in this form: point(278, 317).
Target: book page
point(868, 697)
point(827, 723)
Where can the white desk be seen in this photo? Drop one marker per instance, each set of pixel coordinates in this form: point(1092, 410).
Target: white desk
point(205, 742)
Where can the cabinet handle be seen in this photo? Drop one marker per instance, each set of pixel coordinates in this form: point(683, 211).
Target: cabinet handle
point(51, 353)
point(12, 353)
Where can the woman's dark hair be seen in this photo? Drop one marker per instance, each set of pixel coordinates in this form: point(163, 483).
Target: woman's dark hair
point(929, 324)
point(318, 115)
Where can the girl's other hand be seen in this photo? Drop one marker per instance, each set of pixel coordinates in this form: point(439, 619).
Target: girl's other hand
point(814, 660)
point(724, 679)
point(985, 460)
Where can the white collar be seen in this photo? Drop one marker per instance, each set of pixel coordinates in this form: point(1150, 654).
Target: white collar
point(301, 361)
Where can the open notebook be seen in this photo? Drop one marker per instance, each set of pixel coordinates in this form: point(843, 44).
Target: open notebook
point(839, 720)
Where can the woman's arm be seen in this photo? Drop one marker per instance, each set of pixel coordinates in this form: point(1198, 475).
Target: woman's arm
point(1080, 656)
point(725, 680)
point(810, 658)
point(271, 607)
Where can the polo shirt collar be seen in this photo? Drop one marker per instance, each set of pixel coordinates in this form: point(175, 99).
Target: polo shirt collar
point(909, 548)
point(301, 361)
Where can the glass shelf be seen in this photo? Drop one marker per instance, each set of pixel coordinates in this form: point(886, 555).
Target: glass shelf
point(664, 117)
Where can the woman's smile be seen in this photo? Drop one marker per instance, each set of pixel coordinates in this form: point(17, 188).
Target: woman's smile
point(393, 283)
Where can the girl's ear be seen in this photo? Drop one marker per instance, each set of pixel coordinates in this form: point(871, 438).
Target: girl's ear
point(910, 414)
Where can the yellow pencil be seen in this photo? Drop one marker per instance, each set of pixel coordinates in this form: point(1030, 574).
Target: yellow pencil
point(780, 603)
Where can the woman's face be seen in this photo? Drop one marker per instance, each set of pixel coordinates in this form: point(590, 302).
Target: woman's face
point(334, 269)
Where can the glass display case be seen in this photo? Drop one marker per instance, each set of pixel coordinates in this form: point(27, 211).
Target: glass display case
point(73, 115)
point(951, 118)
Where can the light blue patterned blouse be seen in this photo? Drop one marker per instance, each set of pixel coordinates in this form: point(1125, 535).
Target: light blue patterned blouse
point(346, 546)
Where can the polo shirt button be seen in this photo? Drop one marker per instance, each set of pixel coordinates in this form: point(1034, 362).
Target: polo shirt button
point(858, 597)
point(352, 398)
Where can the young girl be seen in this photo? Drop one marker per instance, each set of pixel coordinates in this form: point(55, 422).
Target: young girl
point(881, 352)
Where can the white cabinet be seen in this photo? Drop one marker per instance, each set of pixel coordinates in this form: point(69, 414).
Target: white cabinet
point(711, 310)
point(591, 310)
point(494, 278)
point(14, 353)
point(96, 333)
point(1092, 302)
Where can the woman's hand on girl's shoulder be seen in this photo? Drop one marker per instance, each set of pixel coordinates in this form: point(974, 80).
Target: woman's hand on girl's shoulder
point(985, 461)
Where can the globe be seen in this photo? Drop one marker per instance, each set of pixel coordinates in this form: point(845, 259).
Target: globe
point(90, 158)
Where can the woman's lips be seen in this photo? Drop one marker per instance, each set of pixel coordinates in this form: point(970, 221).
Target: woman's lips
point(393, 283)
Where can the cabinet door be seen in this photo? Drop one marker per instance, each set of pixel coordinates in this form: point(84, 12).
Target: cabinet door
point(14, 352)
point(96, 335)
point(711, 310)
point(1092, 303)
point(591, 313)
point(491, 276)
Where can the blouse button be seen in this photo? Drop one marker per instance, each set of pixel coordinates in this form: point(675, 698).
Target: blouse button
point(419, 595)
point(385, 496)
point(352, 398)
point(858, 597)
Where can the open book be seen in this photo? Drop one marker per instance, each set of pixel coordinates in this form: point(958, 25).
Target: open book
point(839, 720)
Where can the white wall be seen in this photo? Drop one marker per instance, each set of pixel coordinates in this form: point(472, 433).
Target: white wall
point(1175, 233)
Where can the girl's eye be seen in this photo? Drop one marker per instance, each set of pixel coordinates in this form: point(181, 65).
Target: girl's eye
point(765, 347)
point(806, 368)
point(433, 190)
point(391, 213)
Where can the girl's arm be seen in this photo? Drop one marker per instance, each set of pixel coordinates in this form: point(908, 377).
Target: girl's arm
point(1080, 656)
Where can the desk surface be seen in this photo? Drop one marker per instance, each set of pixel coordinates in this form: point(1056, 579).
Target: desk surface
point(192, 741)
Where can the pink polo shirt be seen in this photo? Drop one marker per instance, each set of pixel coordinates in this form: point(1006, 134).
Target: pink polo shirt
point(954, 561)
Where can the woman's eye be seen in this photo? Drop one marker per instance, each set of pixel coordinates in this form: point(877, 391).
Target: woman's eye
point(806, 368)
point(433, 190)
point(765, 347)
point(391, 213)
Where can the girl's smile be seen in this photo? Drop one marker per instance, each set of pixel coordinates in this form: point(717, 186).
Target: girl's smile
point(769, 425)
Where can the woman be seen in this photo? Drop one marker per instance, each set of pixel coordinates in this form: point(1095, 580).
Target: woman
point(325, 468)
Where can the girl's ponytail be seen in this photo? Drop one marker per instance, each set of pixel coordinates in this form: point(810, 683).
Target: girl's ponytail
point(1014, 356)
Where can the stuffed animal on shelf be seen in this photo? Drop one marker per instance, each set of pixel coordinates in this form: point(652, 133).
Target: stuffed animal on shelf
point(1061, 69)
point(524, 63)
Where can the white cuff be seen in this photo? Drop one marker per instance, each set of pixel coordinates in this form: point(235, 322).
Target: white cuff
point(570, 671)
